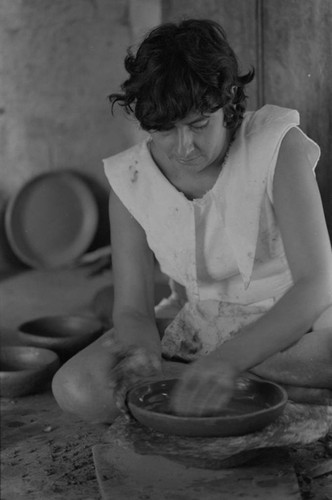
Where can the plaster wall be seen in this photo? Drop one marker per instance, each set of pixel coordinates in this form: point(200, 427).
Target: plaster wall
point(59, 60)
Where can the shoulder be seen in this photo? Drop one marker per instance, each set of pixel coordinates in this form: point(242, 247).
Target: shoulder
point(297, 153)
point(297, 158)
point(269, 118)
point(136, 153)
point(296, 144)
point(262, 131)
point(124, 168)
point(270, 134)
point(273, 131)
point(260, 135)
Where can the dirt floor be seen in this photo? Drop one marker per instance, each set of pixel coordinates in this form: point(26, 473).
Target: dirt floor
point(46, 454)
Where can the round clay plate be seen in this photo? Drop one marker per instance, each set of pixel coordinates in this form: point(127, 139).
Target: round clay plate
point(255, 404)
point(52, 220)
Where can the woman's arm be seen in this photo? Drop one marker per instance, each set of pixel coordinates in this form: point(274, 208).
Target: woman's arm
point(133, 274)
point(301, 220)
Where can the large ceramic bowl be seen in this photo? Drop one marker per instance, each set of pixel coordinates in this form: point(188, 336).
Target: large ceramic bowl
point(52, 220)
point(25, 370)
point(254, 405)
point(66, 335)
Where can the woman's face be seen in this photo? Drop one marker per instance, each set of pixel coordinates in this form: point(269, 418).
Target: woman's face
point(195, 142)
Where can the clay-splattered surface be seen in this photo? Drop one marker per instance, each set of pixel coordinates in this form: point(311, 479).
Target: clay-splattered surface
point(45, 453)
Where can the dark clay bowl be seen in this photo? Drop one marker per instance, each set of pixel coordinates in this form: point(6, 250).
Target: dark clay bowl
point(255, 404)
point(25, 370)
point(66, 335)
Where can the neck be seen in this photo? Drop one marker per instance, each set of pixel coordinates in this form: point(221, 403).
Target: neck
point(224, 153)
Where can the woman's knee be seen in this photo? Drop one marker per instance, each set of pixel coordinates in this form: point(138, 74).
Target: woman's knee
point(77, 391)
point(69, 389)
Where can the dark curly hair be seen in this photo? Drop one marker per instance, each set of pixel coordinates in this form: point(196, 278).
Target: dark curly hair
point(180, 68)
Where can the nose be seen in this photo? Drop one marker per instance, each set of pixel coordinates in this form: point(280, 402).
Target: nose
point(185, 142)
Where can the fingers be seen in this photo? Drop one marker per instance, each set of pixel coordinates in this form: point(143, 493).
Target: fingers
point(216, 400)
point(201, 397)
point(203, 391)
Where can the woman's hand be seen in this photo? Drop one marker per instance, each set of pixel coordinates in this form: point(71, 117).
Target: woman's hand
point(132, 365)
point(205, 387)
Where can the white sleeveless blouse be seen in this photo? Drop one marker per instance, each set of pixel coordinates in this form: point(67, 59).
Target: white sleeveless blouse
point(225, 248)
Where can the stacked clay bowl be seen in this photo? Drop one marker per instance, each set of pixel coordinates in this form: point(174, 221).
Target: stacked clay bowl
point(25, 370)
point(66, 335)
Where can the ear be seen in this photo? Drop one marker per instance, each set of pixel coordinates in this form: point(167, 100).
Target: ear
point(233, 90)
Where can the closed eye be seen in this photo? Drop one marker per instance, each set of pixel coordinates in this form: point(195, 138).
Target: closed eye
point(200, 126)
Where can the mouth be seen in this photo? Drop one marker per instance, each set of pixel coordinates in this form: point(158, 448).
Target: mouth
point(185, 161)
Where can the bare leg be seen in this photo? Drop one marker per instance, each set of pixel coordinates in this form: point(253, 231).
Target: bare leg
point(305, 369)
point(81, 385)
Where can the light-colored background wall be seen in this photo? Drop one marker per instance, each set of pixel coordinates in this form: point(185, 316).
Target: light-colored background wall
point(59, 59)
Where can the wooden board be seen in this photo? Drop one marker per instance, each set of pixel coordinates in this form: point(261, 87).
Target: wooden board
point(125, 475)
point(299, 424)
point(139, 463)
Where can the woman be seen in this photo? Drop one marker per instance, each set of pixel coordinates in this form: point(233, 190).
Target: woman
point(227, 202)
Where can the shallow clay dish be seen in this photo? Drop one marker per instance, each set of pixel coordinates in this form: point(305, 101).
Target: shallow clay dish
point(254, 405)
point(65, 335)
point(25, 370)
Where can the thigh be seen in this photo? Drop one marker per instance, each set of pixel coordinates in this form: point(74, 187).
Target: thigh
point(324, 320)
point(307, 363)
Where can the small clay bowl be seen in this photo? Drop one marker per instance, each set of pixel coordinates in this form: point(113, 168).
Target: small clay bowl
point(25, 370)
point(66, 335)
